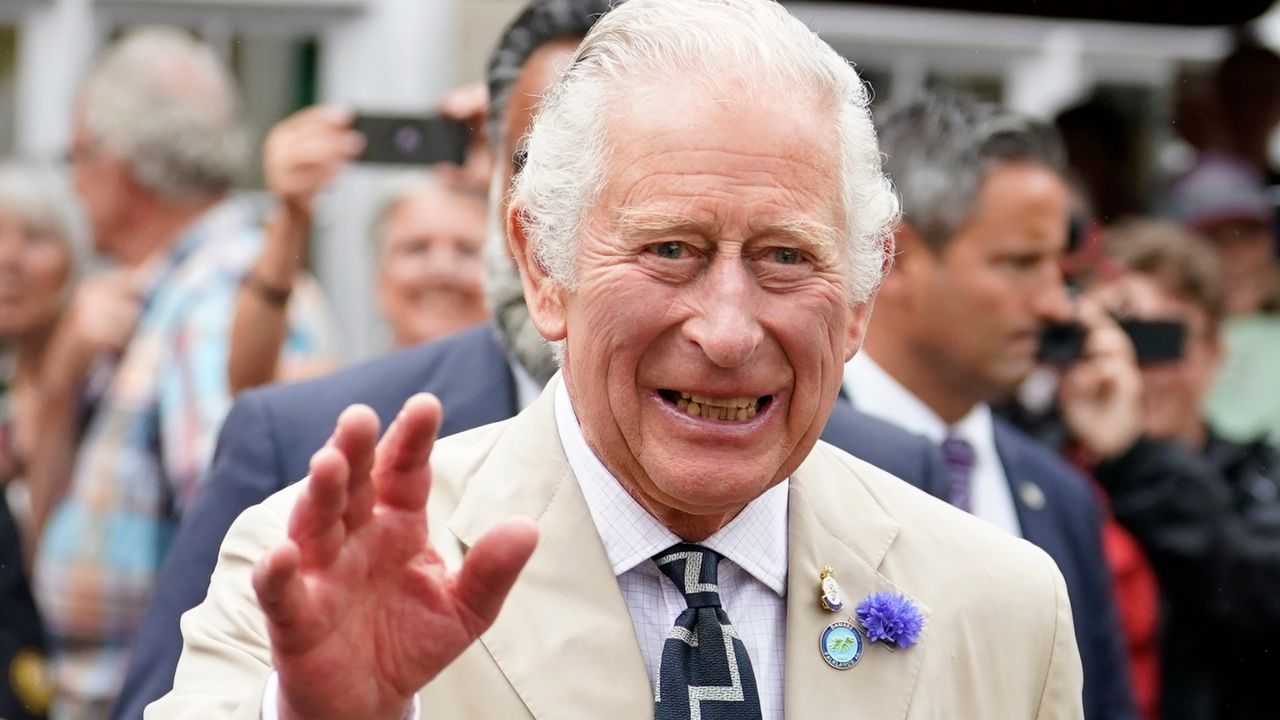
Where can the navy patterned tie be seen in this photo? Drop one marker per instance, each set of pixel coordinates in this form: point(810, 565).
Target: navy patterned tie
point(958, 455)
point(705, 673)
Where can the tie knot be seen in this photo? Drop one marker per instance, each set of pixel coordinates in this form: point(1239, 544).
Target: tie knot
point(693, 569)
point(958, 453)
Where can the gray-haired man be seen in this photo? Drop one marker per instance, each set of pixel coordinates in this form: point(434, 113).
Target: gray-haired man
point(483, 375)
point(157, 145)
point(706, 265)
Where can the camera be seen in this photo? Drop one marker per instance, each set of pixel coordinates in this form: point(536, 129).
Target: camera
point(1154, 341)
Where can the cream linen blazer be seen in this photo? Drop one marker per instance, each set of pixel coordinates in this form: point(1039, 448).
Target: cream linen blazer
point(997, 644)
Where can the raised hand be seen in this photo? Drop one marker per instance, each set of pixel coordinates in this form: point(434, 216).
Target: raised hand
point(357, 592)
point(1101, 395)
point(304, 151)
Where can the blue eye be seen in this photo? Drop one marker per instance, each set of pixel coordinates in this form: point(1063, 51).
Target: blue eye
point(787, 256)
point(670, 250)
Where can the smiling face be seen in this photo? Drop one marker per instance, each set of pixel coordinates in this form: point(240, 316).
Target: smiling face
point(430, 276)
point(709, 322)
point(35, 266)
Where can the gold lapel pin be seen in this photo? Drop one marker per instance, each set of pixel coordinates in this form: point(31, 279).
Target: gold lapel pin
point(829, 591)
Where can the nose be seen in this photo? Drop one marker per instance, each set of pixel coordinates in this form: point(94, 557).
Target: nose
point(1052, 302)
point(727, 324)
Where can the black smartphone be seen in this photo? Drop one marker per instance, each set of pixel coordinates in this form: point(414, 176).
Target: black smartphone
point(1156, 341)
point(1062, 344)
point(410, 140)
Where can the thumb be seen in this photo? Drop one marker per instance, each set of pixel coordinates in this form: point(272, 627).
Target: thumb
point(490, 569)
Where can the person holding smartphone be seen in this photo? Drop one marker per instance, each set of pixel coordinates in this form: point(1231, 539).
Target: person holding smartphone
point(1206, 510)
point(445, 212)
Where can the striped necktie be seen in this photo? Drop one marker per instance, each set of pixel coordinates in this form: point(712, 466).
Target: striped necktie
point(958, 455)
point(705, 672)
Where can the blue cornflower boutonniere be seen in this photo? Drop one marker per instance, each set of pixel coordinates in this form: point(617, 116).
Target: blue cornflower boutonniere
point(890, 618)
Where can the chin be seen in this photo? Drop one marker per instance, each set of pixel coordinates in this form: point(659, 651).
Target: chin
point(713, 487)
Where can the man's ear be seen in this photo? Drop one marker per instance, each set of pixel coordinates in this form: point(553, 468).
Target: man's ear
point(859, 316)
point(544, 296)
point(912, 258)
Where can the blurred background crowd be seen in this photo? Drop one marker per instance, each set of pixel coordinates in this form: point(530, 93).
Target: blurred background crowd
point(184, 215)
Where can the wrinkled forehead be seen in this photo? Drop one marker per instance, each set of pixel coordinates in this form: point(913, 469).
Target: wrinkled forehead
point(665, 133)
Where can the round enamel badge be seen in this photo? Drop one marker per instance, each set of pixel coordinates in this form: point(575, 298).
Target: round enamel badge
point(841, 645)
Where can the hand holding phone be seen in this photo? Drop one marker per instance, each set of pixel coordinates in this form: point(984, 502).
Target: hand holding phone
point(1101, 393)
point(304, 151)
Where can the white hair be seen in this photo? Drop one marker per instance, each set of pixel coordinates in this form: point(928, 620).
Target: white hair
point(165, 103)
point(731, 46)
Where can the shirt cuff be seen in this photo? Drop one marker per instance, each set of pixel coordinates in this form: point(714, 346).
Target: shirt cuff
point(271, 701)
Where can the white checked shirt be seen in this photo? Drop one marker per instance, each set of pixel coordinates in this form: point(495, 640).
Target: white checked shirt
point(875, 392)
point(752, 574)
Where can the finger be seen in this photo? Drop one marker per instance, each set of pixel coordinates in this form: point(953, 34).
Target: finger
point(490, 569)
point(466, 103)
point(316, 522)
point(356, 437)
point(280, 589)
point(400, 472)
point(329, 151)
point(329, 115)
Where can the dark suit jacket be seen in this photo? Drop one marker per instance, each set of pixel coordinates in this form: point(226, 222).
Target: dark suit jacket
point(269, 436)
point(1059, 513)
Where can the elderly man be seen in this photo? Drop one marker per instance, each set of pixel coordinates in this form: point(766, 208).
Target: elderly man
point(706, 265)
point(157, 144)
point(976, 280)
point(482, 375)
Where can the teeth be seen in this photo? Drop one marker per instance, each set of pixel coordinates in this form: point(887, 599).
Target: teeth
point(732, 403)
point(727, 409)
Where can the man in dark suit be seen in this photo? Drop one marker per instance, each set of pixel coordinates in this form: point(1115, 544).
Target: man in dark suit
point(957, 326)
point(481, 376)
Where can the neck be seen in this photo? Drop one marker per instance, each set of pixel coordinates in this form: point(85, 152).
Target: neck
point(1195, 435)
point(30, 352)
point(922, 379)
point(157, 228)
point(690, 528)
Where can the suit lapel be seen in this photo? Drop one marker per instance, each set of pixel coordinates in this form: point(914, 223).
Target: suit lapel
point(480, 388)
point(834, 520)
point(564, 638)
point(1028, 498)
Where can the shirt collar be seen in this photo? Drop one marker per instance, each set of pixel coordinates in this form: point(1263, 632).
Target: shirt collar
point(527, 389)
point(755, 540)
point(874, 391)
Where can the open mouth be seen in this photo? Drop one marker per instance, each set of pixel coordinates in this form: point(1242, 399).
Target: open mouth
point(730, 409)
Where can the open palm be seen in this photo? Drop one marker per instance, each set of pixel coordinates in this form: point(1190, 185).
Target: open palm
point(362, 611)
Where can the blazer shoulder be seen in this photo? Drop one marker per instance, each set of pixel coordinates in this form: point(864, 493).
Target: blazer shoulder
point(948, 541)
point(883, 444)
point(384, 382)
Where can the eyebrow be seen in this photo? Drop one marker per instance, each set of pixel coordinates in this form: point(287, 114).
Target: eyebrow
point(814, 236)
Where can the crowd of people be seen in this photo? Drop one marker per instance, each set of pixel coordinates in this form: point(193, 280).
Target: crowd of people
point(168, 365)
